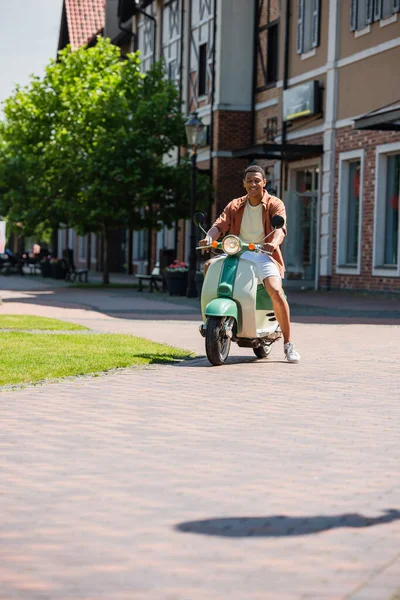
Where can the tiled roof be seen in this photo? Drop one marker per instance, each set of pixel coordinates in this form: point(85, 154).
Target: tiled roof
point(85, 19)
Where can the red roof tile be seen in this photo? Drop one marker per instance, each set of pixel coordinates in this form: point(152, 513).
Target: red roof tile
point(85, 19)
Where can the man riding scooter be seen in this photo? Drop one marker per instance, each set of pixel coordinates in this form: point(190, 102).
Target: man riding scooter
point(249, 217)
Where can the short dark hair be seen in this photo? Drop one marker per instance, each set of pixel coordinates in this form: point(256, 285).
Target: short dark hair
point(254, 169)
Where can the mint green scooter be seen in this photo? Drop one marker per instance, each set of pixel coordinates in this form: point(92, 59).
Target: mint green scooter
point(234, 304)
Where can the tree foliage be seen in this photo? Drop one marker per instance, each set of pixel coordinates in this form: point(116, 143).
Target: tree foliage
point(86, 146)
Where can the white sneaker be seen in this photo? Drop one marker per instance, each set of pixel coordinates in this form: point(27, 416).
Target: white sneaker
point(290, 353)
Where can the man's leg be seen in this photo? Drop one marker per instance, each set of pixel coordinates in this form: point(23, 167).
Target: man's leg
point(273, 285)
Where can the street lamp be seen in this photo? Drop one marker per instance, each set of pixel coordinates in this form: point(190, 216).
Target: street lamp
point(194, 130)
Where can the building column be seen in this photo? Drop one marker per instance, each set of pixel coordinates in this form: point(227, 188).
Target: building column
point(329, 161)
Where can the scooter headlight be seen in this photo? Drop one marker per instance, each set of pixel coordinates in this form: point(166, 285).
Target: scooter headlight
point(231, 244)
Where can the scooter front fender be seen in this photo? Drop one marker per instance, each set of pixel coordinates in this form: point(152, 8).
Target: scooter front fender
point(222, 307)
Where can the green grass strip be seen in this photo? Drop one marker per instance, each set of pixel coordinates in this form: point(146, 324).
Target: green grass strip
point(30, 358)
point(28, 322)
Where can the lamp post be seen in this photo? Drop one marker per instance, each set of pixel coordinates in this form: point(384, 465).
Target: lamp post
point(194, 129)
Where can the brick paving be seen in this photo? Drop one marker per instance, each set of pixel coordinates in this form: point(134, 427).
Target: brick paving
point(257, 480)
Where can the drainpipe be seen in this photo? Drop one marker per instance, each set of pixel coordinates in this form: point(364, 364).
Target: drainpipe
point(130, 231)
point(212, 121)
point(130, 33)
point(178, 160)
point(150, 231)
point(254, 82)
point(284, 87)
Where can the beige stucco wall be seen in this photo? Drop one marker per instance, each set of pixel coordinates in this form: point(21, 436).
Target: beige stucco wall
point(369, 84)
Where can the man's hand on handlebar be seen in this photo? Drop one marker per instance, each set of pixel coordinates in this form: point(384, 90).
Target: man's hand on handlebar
point(205, 242)
point(269, 248)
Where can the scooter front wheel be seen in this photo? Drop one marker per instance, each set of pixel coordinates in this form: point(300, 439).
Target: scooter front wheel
point(218, 343)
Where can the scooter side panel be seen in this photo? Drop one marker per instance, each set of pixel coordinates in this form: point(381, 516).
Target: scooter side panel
point(245, 294)
point(255, 312)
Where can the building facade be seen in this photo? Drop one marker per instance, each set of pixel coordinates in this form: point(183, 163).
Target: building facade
point(307, 89)
point(310, 90)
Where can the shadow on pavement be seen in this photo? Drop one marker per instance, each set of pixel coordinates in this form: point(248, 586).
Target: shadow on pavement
point(282, 526)
point(201, 362)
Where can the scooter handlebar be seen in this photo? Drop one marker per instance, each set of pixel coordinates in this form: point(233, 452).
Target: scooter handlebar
point(259, 249)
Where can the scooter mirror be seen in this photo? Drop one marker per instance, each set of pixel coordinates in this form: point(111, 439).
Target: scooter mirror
point(198, 219)
point(277, 222)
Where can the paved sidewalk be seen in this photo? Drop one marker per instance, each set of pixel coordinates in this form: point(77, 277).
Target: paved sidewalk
point(258, 480)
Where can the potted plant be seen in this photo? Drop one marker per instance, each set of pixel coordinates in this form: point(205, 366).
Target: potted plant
point(58, 268)
point(45, 267)
point(176, 276)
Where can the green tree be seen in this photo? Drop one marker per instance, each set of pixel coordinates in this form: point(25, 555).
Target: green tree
point(86, 145)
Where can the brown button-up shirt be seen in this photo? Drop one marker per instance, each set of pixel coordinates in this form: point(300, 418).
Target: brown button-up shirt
point(231, 219)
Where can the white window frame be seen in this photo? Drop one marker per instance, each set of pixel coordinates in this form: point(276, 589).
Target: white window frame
point(382, 153)
point(345, 158)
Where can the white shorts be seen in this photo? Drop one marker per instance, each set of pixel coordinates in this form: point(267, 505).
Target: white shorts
point(264, 266)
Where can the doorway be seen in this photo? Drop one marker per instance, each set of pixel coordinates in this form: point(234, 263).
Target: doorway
point(300, 247)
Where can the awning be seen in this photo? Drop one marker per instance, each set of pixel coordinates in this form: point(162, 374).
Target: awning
point(279, 151)
point(384, 119)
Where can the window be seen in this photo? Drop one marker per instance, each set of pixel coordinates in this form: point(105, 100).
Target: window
point(147, 37)
point(386, 243)
point(93, 247)
point(272, 53)
point(308, 25)
point(385, 8)
point(140, 245)
point(348, 252)
point(353, 213)
point(172, 70)
point(82, 248)
point(202, 75)
point(391, 237)
point(171, 32)
point(363, 12)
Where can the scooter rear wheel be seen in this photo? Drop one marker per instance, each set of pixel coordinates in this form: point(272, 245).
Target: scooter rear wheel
point(262, 351)
point(218, 343)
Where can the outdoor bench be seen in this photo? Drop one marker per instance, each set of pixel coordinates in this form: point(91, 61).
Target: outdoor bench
point(35, 269)
point(154, 280)
point(81, 274)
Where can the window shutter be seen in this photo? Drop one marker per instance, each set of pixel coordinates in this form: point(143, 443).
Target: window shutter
point(377, 10)
point(316, 14)
point(353, 15)
point(300, 18)
point(369, 11)
point(396, 6)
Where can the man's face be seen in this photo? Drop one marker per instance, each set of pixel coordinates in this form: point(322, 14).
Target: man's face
point(254, 184)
